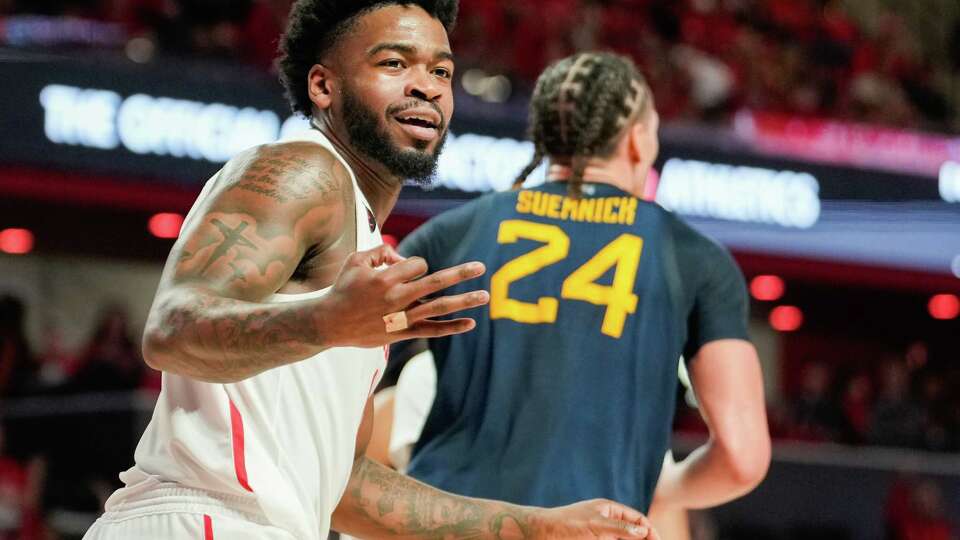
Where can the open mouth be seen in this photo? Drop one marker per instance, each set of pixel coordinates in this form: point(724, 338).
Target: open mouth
point(422, 126)
point(417, 121)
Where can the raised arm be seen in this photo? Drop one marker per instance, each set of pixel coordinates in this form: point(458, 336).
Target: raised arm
point(267, 207)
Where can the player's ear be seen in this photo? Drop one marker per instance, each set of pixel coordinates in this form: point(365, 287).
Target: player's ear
point(636, 135)
point(319, 83)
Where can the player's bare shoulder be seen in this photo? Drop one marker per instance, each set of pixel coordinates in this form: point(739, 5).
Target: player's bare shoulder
point(269, 206)
point(287, 173)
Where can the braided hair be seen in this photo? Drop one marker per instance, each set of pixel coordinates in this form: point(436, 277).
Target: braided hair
point(580, 108)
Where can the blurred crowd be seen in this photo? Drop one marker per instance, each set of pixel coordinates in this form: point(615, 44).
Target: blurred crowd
point(900, 401)
point(861, 60)
point(68, 422)
point(706, 59)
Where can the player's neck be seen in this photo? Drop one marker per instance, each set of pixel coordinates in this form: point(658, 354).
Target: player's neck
point(379, 186)
point(611, 173)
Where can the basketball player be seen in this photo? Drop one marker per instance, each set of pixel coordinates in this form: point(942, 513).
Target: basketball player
point(567, 387)
point(273, 312)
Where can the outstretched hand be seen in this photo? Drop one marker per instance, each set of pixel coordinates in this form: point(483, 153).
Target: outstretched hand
point(598, 519)
point(363, 294)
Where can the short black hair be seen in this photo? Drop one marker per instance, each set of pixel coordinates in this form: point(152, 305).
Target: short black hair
point(581, 107)
point(314, 27)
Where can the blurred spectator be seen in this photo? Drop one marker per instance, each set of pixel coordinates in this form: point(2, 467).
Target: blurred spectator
point(711, 81)
point(815, 415)
point(111, 361)
point(55, 361)
point(18, 367)
point(936, 433)
point(857, 408)
point(897, 418)
point(915, 511)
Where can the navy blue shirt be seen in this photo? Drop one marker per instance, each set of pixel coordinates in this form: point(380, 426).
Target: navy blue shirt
point(565, 390)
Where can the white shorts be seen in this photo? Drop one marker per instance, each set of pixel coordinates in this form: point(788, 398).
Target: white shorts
point(178, 515)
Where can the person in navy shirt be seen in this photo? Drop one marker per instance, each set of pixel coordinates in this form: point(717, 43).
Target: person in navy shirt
point(566, 389)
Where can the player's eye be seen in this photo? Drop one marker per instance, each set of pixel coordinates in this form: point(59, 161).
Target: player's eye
point(443, 72)
point(392, 63)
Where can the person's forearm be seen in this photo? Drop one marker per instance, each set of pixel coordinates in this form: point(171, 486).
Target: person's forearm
point(380, 502)
point(711, 475)
point(728, 382)
point(214, 339)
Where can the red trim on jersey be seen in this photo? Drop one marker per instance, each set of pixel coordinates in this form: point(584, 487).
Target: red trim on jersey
point(207, 528)
point(239, 458)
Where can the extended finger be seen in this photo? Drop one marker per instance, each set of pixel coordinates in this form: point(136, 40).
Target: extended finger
point(435, 329)
point(446, 305)
point(439, 281)
point(405, 270)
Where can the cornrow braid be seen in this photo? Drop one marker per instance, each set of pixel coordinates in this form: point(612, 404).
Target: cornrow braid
point(538, 156)
point(580, 108)
point(596, 114)
point(539, 153)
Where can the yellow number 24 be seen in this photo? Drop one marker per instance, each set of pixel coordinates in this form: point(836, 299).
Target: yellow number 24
point(623, 253)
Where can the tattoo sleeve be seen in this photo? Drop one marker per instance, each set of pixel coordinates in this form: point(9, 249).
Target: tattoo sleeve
point(209, 320)
point(380, 502)
point(224, 340)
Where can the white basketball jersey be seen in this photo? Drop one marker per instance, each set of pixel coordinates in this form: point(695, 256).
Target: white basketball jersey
point(281, 443)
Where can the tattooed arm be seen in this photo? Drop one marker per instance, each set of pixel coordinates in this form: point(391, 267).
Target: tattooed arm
point(266, 209)
point(380, 502)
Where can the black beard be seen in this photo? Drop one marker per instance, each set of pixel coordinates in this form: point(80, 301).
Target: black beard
point(369, 137)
